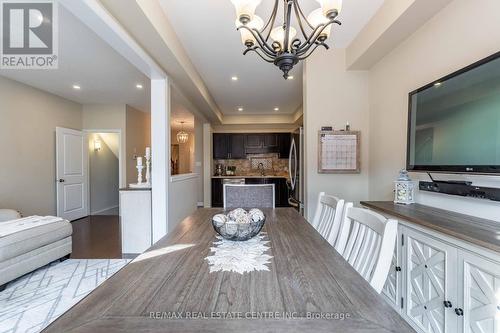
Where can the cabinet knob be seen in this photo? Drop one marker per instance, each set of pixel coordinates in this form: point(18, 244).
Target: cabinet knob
point(459, 312)
point(398, 269)
point(447, 304)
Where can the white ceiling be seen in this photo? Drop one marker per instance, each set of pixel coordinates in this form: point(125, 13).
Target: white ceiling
point(105, 76)
point(207, 31)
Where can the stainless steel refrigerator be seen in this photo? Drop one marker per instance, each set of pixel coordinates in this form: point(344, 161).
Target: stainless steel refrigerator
point(296, 171)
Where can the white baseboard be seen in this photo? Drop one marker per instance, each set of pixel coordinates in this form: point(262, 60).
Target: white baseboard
point(97, 212)
point(200, 204)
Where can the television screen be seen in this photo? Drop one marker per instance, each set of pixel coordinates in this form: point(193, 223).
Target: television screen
point(454, 123)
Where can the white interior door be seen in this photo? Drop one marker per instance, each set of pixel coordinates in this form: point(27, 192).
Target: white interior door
point(71, 174)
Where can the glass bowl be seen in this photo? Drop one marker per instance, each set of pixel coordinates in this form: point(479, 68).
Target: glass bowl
point(234, 231)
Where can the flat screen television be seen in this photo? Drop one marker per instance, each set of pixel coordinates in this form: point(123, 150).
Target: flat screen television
point(454, 122)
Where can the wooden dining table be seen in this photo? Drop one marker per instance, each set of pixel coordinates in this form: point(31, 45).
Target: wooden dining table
point(309, 287)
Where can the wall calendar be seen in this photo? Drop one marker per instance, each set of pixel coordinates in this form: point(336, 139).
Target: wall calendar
point(339, 152)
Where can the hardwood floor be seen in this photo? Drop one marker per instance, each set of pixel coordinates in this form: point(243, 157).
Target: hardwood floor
point(97, 237)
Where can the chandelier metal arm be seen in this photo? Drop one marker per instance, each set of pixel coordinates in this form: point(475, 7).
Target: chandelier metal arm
point(288, 20)
point(313, 38)
point(270, 21)
point(299, 20)
point(260, 40)
point(256, 49)
point(301, 13)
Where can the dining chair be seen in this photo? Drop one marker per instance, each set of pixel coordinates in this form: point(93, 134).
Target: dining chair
point(369, 240)
point(248, 195)
point(328, 217)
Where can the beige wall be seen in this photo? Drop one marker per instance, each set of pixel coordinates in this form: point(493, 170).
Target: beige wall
point(186, 151)
point(333, 97)
point(109, 117)
point(138, 137)
point(444, 44)
point(103, 174)
point(28, 119)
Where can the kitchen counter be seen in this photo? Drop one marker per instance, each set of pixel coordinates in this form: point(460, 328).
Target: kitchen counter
point(251, 176)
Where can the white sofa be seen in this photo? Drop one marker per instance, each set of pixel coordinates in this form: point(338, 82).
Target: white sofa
point(30, 243)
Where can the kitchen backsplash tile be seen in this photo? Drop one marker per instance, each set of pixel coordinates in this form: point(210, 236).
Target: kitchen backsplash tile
point(249, 165)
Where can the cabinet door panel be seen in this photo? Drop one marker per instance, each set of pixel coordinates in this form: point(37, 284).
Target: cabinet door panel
point(220, 146)
point(253, 141)
point(480, 294)
point(392, 287)
point(429, 282)
point(237, 146)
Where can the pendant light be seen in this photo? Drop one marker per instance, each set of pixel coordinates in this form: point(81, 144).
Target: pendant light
point(182, 136)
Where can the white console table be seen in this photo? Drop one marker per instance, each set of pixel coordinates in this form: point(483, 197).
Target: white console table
point(445, 275)
point(135, 220)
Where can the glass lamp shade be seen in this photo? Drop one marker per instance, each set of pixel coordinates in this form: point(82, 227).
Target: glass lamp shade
point(330, 7)
point(182, 137)
point(278, 35)
point(246, 36)
point(245, 9)
point(316, 18)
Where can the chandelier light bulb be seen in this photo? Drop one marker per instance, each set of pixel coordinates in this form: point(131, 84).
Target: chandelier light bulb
point(278, 35)
point(246, 36)
point(316, 18)
point(245, 9)
point(330, 8)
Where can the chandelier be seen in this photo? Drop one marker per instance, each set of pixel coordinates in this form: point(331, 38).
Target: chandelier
point(182, 137)
point(278, 44)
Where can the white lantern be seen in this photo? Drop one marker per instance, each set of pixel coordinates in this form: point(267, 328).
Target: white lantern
point(404, 189)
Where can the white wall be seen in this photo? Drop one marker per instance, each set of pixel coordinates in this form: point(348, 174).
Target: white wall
point(198, 156)
point(443, 45)
point(183, 197)
point(333, 97)
point(28, 119)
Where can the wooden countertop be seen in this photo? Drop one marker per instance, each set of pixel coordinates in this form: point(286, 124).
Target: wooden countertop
point(306, 277)
point(478, 231)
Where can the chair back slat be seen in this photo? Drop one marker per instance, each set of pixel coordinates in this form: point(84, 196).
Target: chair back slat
point(329, 217)
point(370, 244)
point(249, 195)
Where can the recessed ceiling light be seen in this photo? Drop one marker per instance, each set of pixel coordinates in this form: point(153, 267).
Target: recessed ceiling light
point(76, 87)
point(240, 109)
point(234, 78)
point(276, 109)
point(138, 86)
point(290, 77)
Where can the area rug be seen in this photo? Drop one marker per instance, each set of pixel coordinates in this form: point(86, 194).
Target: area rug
point(33, 301)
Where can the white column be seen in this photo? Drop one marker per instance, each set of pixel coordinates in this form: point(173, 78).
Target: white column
point(207, 165)
point(160, 151)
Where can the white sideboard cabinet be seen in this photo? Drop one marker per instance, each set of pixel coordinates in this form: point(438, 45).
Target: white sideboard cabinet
point(441, 283)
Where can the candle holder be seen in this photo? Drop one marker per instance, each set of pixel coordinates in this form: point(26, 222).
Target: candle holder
point(140, 167)
point(148, 166)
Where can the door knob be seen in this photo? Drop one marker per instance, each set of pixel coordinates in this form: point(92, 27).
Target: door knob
point(447, 304)
point(459, 312)
point(61, 180)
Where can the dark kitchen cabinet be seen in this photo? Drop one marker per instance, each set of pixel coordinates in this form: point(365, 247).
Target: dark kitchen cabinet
point(237, 144)
point(284, 142)
point(217, 193)
point(228, 146)
point(253, 141)
point(221, 146)
point(270, 140)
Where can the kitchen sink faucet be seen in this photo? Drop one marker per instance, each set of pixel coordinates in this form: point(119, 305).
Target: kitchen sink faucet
point(261, 168)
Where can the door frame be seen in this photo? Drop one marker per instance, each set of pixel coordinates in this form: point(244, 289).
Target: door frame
point(122, 170)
